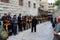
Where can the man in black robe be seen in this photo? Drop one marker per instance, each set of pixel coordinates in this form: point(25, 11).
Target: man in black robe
point(34, 23)
point(19, 22)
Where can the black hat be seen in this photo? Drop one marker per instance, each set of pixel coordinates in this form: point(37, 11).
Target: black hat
point(14, 15)
point(5, 14)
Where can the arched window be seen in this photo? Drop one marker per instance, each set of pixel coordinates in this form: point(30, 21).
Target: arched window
point(34, 5)
point(20, 2)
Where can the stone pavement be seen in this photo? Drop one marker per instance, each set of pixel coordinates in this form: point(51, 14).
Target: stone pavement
point(44, 32)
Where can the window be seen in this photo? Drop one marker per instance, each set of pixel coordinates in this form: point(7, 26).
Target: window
point(40, 0)
point(34, 5)
point(6, 1)
point(29, 4)
point(20, 2)
point(50, 3)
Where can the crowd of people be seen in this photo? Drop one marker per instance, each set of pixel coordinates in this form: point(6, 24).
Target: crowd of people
point(20, 23)
point(56, 27)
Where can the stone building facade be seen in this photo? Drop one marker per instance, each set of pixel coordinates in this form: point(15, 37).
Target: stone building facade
point(25, 7)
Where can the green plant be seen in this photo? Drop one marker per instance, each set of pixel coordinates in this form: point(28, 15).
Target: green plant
point(57, 3)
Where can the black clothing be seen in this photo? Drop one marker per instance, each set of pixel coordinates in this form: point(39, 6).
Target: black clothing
point(19, 23)
point(53, 22)
point(24, 24)
point(34, 23)
point(33, 28)
point(10, 26)
point(4, 21)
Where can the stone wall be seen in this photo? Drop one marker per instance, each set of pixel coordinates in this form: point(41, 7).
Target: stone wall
point(14, 7)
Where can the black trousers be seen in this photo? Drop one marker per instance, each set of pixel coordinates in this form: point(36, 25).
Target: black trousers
point(33, 28)
point(24, 26)
point(53, 25)
point(20, 27)
point(10, 30)
point(14, 30)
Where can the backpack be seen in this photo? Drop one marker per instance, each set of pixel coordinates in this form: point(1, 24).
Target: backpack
point(3, 33)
